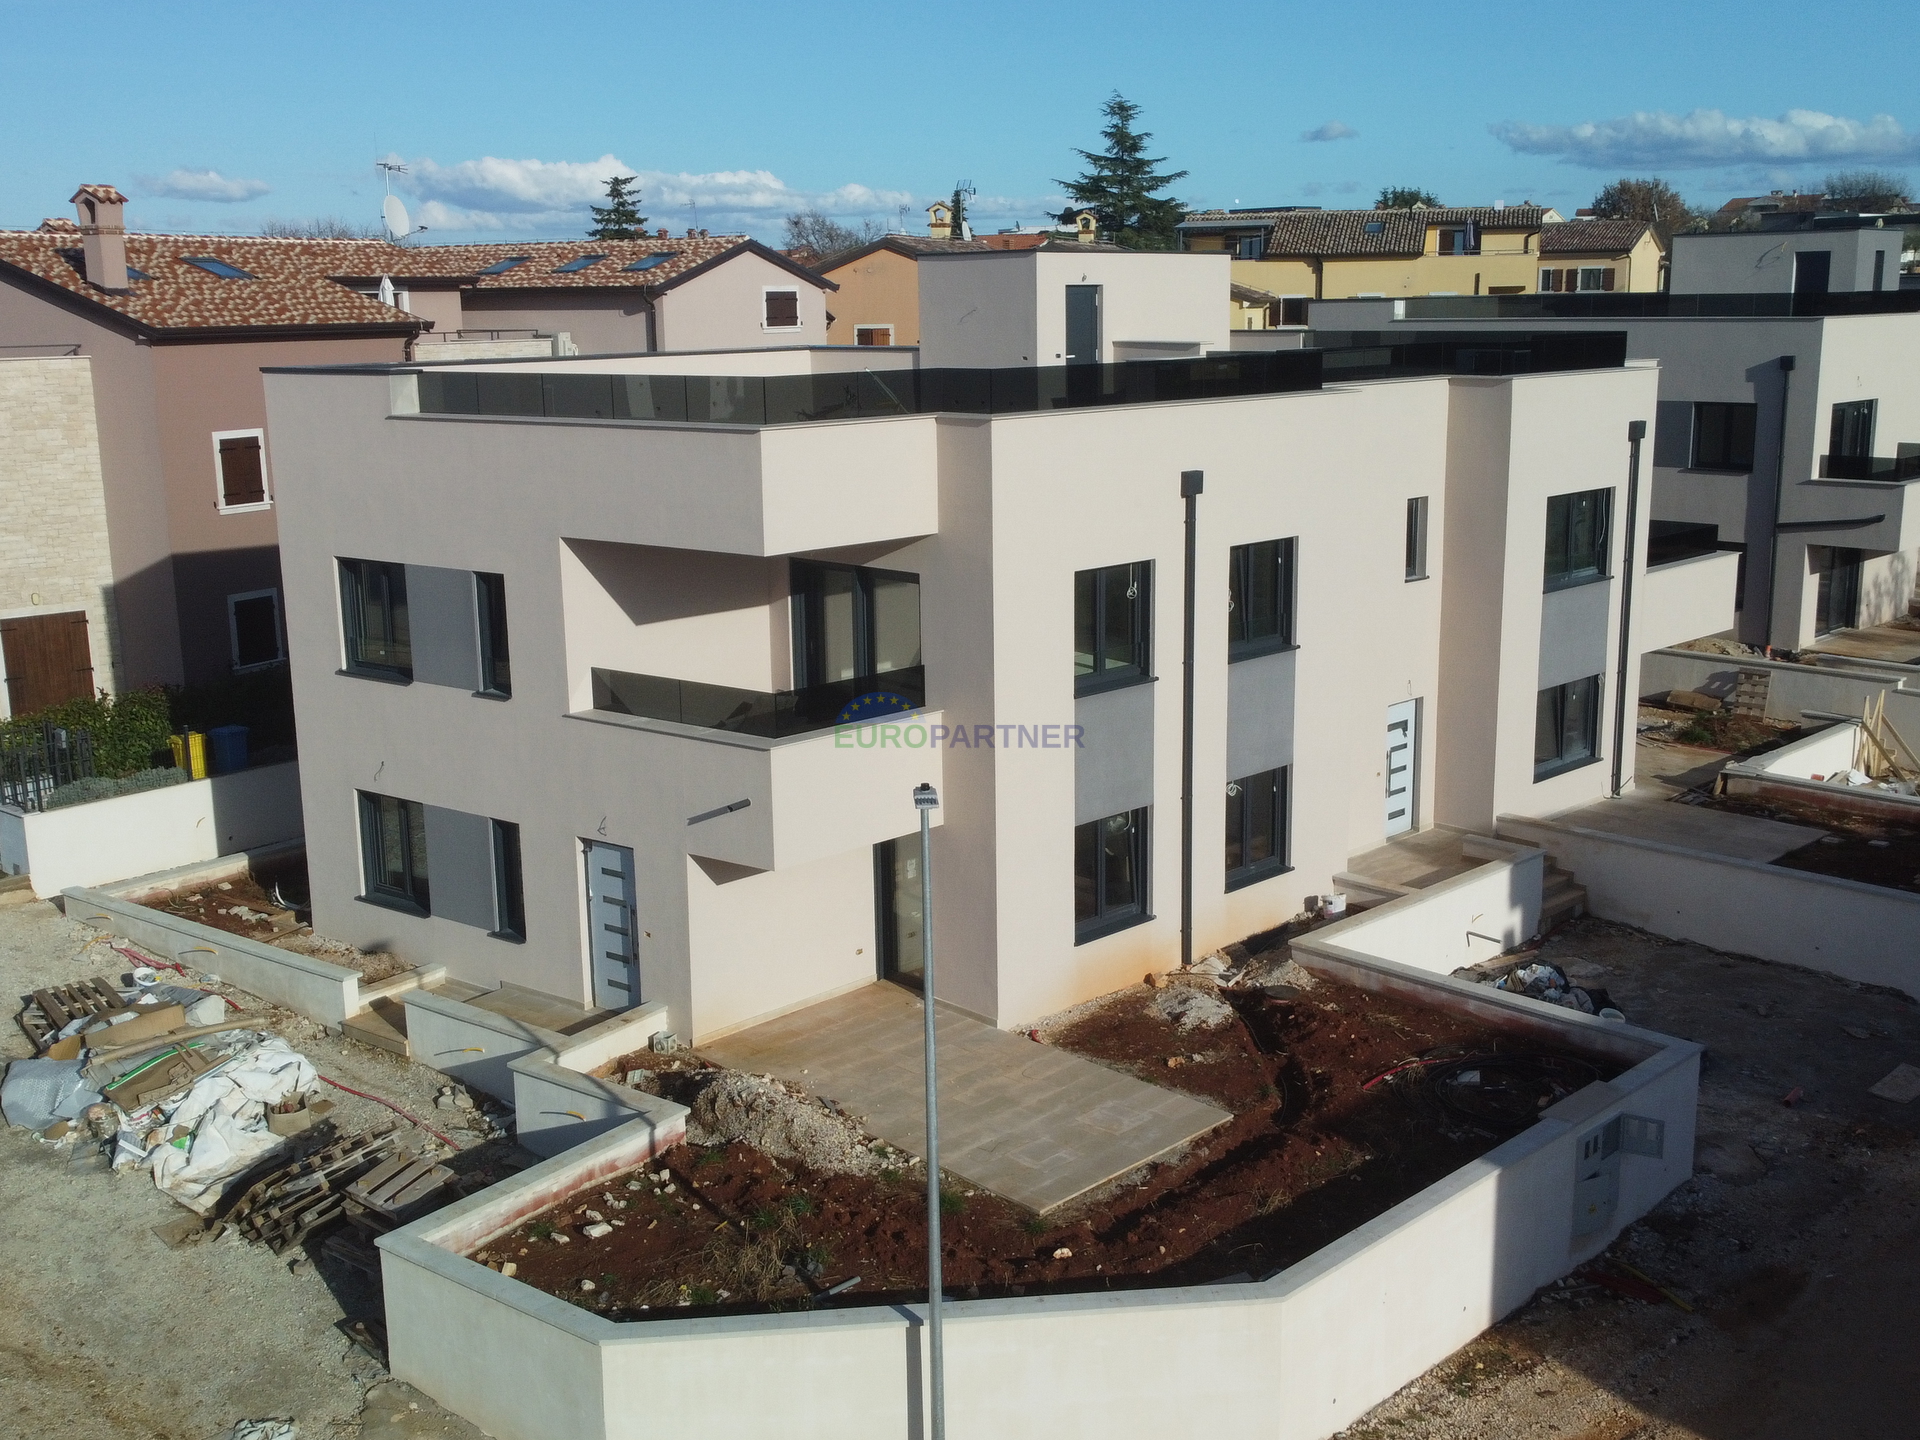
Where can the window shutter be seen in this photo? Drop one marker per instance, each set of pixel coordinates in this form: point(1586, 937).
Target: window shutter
point(1606, 278)
point(241, 479)
point(783, 308)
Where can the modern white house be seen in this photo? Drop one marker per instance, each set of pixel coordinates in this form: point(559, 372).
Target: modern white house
point(615, 675)
point(1788, 429)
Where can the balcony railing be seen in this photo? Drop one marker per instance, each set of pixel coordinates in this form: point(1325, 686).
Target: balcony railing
point(1374, 355)
point(773, 715)
point(796, 399)
point(1641, 305)
point(1671, 541)
point(1870, 467)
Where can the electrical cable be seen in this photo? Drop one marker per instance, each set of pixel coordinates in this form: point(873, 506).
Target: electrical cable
point(410, 1119)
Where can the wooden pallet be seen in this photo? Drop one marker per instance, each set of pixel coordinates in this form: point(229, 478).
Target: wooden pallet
point(286, 1205)
point(396, 1191)
point(1750, 692)
point(45, 1013)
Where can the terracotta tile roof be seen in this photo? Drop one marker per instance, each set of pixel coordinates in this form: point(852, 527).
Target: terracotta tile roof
point(105, 194)
point(308, 283)
point(1591, 237)
point(1323, 233)
point(1247, 295)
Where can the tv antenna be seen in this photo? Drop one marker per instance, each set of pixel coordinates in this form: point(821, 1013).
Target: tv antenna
point(694, 206)
point(963, 193)
point(392, 213)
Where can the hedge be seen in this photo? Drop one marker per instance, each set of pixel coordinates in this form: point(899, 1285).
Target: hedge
point(129, 730)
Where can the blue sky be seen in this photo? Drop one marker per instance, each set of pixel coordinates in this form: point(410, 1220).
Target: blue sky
point(217, 117)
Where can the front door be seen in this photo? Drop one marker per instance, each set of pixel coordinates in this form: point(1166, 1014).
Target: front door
point(897, 909)
point(611, 931)
point(1838, 606)
point(47, 660)
point(1403, 718)
point(1083, 324)
point(1812, 270)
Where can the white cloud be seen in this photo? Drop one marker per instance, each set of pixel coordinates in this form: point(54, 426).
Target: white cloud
point(1332, 130)
point(1711, 137)
point(202, 185)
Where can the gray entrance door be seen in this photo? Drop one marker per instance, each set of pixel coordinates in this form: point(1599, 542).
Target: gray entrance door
point(611, 931)
point(1083, 324)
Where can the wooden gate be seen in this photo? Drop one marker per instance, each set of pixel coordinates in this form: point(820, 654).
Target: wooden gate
point(47, 660)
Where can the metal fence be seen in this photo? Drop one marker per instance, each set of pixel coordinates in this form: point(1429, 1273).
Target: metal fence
point(33, 766)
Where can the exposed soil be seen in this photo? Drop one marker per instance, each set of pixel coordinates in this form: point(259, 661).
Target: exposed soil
point(1310, 1153)
point(1735, 734)
point(1857, 847)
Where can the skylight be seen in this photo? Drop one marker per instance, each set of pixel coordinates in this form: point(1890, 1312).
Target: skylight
point(1376, 227)
point(133, 274)
point(652, 260)
point(500, 267)
point(580, 264)
point(217, 267)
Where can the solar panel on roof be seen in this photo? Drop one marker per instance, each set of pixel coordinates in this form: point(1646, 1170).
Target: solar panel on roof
point(651, 261)
point(217, 267)
point(500, 267)
point(133, 274)
point(580, 264)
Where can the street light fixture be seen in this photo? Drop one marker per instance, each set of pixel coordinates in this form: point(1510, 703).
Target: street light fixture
point(926, 800)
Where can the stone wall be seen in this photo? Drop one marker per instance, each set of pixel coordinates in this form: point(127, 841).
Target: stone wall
point(53, 541)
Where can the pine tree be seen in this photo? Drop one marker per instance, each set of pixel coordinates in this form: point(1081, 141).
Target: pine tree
point(1406, 197)
point(620, 217)
point(1119, 183)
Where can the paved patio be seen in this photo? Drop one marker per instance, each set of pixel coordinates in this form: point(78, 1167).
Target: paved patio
point(1649, 815)
point(1897, 642)
point(1033, 1124)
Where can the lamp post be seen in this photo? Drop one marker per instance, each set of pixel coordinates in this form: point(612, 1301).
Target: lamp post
point(925, 800)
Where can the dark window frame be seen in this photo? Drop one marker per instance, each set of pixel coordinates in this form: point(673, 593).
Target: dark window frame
point(1091, 619)
point(1103, 919)
point(490, 613)
point(247, 597)
point(806, 599)
point(413, 893)
point(1246, 796)
point(1851, 430)
point(1554, 714)
point(1579, 563)
point(1723, 434)
point(1257, 623)
point(1418, 512)
point(357, 592)
point(509, 887)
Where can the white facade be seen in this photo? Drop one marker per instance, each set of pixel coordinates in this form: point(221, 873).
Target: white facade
point(662, 548)
point(1776, 261)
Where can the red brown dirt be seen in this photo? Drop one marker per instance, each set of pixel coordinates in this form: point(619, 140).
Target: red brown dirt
point(1309, 1155)
point(1858, 847)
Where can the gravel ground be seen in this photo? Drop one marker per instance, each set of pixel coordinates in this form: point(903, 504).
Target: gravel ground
point(106, 1334)
point(1797, 1241)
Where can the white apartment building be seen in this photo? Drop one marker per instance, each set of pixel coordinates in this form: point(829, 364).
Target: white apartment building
point(1788, 429)
point(615, 675)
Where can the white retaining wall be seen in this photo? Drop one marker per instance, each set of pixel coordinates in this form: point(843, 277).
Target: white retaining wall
point(1860, 932)
point(1457, 922)
point(1296, 1356)
point(107, 840)
point(1839, 689)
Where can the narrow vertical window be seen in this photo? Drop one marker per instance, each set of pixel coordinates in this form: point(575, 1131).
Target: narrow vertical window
point(1566, 729)
point(1852, 433)
point(1260, 597)
point(253, 624)
point(1109, 875)
point(373, 605)
point(1256, 827)
point(1112, 610)
point(496, 668)
point(509, 901)
point(393, 848)
point(1417, 538)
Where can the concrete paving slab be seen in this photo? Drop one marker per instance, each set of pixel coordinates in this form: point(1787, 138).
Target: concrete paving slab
point(532, 1007)
point(1415, 861)
point(1897, 642)
point(1649, 815)
point(1029, 1122)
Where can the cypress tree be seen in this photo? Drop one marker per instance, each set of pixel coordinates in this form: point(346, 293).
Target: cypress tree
point(620, 217)
point(1119, 184)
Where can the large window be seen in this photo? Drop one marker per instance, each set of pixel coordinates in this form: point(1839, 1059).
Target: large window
point(393, 851)
point(1112, 625)
point(1566, 727)
point(509, 902)
point(373, 604)
point(1260, 592)
point(1577, 537)
point(253, 624)
point(1417, 538)
point(496, 666)
point(1723, 436)
point(1852, 429)
point(1256, 827)
point(240, 469)
point(849, 622)
point(1109, 875)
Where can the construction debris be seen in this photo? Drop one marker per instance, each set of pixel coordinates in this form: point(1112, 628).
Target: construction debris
point(285, 1206)
point(1901, 1085)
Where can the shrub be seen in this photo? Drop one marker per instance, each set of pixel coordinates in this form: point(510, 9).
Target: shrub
point(129, 730)
point(105, 787)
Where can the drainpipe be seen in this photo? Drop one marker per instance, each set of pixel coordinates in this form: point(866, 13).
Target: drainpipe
point(1779, 493)
point(1636, 432)
point(1191, 483)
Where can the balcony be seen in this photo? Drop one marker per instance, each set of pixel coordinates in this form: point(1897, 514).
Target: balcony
point(1352, 355)
point(1642, 305)
point(1870, 467)
point(770, 715)
point(1686, 599)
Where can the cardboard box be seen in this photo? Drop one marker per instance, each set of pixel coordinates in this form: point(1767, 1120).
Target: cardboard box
point(165, 1075)
point(148, 1022)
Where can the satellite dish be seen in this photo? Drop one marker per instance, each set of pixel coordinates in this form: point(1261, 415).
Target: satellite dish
point(399, 226)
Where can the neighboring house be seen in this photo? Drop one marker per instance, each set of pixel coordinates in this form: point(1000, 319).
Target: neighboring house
point(172, 331)
point(1789, 419)
point(1602, 255)
point(1300, 253)
point(760, 597)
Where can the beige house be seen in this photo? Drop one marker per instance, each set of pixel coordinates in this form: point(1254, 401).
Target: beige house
point(615, 675)
point(1600, 255)
point(162, 420)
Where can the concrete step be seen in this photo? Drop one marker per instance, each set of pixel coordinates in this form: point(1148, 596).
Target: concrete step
point(383, 1025)
point(1561, 897)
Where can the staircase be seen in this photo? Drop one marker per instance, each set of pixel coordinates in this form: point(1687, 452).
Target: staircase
point(1561, 896)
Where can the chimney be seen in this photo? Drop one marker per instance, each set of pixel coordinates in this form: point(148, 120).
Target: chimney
point(103, 233)
point(662, 232)
point(939, 221)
